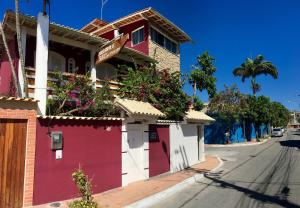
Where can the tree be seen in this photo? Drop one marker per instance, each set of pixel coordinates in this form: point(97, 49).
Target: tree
point(160, 88)
point(227, 106)
point(280, 115)
point(20, 50)
point(202, 76)
point(253, 68)
point(257, 111)
point(12, 67)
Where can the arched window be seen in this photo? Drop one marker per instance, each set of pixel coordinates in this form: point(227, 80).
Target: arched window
point(106, 71)
point(87, 66)
point(71, 65)
point(56, 62)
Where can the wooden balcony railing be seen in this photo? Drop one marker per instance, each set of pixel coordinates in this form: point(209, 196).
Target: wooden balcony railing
point(30, 76)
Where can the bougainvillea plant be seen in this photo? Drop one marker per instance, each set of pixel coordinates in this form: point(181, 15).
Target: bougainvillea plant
point(76, 95)
point(160, 88)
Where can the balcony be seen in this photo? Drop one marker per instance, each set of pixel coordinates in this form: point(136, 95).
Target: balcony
point(30, 76)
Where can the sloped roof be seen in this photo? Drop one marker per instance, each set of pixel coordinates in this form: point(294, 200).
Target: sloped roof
point(82, 118)
point(18, 99)
point(146, 14)
point(197, 116)
point(138, 108)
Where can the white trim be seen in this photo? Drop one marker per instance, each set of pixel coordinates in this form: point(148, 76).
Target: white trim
point(142, 27)
point(93, 67)
point(137, 29)
point(73, 62)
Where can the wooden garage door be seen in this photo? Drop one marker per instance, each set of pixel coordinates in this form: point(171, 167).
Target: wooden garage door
point(12, 162)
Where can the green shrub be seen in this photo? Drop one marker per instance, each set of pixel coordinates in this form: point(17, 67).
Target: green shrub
point(85, 191)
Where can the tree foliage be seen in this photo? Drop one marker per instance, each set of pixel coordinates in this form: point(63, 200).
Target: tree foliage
point(253, 68)
point(280, 115)
point(202, 76)
point(197, 104)
point(160, 88)
point(228, 105)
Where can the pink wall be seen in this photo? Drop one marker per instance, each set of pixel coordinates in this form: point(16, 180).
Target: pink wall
point(6, 80)
point(93, 145)
point(159, 150)
point(143, 46)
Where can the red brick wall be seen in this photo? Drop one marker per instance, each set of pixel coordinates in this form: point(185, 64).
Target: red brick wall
point(95, 146)
point(159, 150)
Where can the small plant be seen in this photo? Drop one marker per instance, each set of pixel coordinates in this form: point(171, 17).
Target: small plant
point(85, 191)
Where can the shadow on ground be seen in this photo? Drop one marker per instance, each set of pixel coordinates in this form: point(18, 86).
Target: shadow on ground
point(269, 187)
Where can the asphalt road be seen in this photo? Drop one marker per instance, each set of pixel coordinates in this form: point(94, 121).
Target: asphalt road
point(266, 175)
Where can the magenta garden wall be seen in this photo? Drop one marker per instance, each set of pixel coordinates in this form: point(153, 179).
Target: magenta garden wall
point(95, 146)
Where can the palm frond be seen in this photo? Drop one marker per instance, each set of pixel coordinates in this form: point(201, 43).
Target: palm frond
point(258, 59)
point(266, 68)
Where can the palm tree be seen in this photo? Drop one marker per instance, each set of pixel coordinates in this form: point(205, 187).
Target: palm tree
point(252, 68)
point(20, 50)
point(12, 67)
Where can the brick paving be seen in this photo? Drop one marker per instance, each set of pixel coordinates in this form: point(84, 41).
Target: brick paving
point(121, 197)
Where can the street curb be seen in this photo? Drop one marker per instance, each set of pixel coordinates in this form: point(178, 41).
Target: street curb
point(155, 198)
point(238, 145)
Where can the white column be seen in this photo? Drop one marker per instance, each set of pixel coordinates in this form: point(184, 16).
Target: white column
point(41, 63)
point(201, 143)
point(116, 33)
point(93, 67)
point(21, 78)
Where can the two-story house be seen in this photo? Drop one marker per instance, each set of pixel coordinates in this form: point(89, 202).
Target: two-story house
point(149, 32)
point(49, 46)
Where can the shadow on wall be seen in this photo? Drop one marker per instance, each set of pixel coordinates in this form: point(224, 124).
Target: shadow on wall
point(215, 133)
point(183, 157)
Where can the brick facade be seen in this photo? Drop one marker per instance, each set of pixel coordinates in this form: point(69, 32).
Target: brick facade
point(166, 59)
point(12, 109)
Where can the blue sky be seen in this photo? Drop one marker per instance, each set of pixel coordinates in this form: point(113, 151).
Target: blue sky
point(230, 30)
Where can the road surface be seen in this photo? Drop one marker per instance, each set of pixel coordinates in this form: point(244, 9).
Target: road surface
point(266, 175)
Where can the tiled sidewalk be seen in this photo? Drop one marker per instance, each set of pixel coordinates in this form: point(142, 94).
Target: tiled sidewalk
point(121, 197)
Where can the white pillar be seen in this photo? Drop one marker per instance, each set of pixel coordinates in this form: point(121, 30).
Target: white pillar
point(41, 63)
point(201, 143)
point(93, 68)
point(116, 33)
point(21, 78)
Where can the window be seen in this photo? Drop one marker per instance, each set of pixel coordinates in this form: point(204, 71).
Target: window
point(163, 41)
point(137, 36)
point(87, 66)
point(56, 61)
point(106, 71)
point(71, 65)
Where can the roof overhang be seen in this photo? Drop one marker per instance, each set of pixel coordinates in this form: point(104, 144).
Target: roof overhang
point(30, 22)
point(148, 14)
point(132, 55)
point(138, 109)
point(193, 116)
